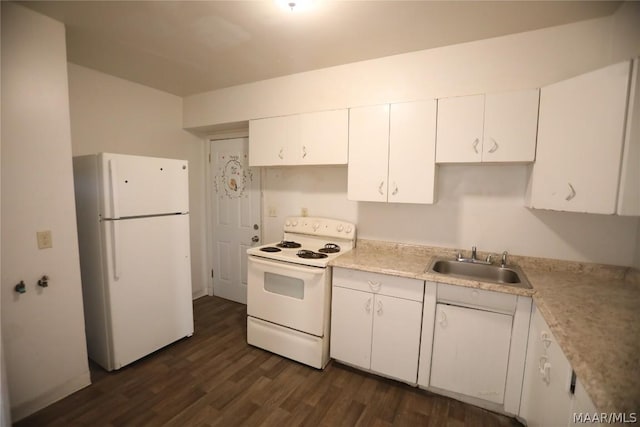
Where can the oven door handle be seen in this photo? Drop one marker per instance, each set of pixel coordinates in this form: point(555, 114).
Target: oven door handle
point(308, 270)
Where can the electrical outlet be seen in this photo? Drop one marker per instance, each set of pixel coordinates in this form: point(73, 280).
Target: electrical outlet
point(44, 239)
point(304, 212)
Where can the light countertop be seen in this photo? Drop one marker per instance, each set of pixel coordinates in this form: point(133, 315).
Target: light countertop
point(592, 310)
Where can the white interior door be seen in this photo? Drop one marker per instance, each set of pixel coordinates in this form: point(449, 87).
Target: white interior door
point(235, 216)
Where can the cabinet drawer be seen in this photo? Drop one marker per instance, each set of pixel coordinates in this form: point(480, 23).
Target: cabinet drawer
point(477, 298)
point(400, 287)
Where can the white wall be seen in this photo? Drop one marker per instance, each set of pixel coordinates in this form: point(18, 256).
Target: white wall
point(109, 114)
point(477, 205)
point(481, 205)
point(525, 60)
point(43, 329)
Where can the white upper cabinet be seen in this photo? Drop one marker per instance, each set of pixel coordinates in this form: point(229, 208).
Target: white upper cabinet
point(460, 127)
point(272, 140)
point(580, 142)
point(392, 153)
point(324, 138)
point(488, 128)
point(368, 153)
point(629, 195)
point(302, 139)
point(412, 151)
point(510, 126)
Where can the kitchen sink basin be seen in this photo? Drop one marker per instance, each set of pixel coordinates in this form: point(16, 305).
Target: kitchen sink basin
point(512, 276)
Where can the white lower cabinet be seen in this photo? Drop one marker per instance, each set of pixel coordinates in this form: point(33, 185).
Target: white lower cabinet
point(473, 345)
point(549, 396)
point(471, 352)
point(376, 322)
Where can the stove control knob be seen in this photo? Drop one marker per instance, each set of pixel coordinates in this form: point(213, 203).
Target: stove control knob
point(340, 227)
point(294, 223)
point(348, 229)
point(316, 225)
point(288, 223)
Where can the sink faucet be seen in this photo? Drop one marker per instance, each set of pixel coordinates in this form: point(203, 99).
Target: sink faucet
point(474, 257)
point(503, 263)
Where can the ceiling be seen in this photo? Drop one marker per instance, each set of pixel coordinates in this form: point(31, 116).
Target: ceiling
point(187, 47)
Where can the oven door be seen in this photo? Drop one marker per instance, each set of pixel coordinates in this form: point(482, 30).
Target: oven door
point(290, 295)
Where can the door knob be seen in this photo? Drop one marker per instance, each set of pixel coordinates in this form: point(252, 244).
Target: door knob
point(255, 239)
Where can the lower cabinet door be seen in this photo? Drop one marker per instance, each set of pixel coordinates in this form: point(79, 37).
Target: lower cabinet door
point(546, 400)
point(396, 337)
point(471, 351)
point(351, 324)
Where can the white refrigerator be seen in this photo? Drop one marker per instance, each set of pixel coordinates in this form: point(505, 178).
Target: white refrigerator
point(133, 232)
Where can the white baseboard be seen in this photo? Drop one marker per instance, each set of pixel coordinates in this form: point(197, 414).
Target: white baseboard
point(32, 406)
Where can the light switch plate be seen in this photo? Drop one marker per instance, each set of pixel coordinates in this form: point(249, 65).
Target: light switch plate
point(44, 239)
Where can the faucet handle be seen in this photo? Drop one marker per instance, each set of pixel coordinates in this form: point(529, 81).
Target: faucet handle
point(489, 258)
point(503, 263)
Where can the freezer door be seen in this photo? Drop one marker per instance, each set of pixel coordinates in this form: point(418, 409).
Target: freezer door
point(137, 186)
point(148, 285)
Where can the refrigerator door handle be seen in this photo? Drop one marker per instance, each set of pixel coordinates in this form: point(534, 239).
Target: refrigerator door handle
point(113, 186)
point(115, 235)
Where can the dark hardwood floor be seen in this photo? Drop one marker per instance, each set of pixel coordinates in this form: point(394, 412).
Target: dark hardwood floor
point(216, 379)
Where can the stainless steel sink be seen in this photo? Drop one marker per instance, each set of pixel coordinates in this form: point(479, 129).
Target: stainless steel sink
point(512, 276)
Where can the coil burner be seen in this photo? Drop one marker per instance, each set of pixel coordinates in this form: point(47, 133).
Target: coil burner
point(330, 248)
point(304, 253)
point(287, 244)
point(270, 249)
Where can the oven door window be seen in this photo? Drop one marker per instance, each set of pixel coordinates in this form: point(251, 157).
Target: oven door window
point(284, 285)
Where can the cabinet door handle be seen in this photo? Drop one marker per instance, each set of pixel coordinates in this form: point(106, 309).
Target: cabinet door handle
point(443, 319)
point(475, 145)
point(380, 188)
point(304, 151)
point(495, 146)
point(367, 306)
point(395, 189)
point(281, 153)
point(545, 338)
point(379, 309)
point(545, 368)
point(572, 194)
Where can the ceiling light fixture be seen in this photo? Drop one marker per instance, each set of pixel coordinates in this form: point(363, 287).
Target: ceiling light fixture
point(295, 5)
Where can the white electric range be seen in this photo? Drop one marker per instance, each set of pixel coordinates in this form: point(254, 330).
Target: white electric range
point(289, 288)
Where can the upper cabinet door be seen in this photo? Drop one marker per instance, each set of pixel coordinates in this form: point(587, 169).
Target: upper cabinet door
point(412, 147)
point(272, 140)
point(580, 138)
point(629, 196)
point(368, 153)
point(460, 129)
point(510, 126)
point(302, 139)
point(324, 138)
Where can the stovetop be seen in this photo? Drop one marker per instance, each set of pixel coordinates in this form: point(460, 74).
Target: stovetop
point(309, 241)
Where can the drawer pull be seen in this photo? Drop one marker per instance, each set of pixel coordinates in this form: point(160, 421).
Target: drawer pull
point(375, 286)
